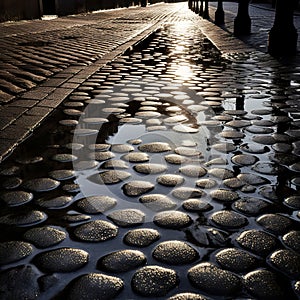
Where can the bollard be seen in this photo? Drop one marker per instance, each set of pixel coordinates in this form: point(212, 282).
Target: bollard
point(143, 3)
point(197, 7)
point(283, 35)
point(219, 14)
point(242, 22)
point(201, 9)
point(206, 12)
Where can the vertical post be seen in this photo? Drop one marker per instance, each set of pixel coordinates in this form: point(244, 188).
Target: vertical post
point(201, 9)
point(283, 35)
point(197, 7)
point(242, 22)
point(206, 12)
point(219, 14)
point(143, 3)
point(190, 3)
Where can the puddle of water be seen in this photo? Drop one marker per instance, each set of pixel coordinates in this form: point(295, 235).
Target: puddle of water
point(168, 91)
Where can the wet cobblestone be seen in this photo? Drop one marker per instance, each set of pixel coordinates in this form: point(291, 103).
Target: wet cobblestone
point(102, 181)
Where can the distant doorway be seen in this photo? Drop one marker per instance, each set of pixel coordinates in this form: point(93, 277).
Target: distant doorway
point(49, 7)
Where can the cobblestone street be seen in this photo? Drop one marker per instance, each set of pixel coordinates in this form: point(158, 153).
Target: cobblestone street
point(166, 166)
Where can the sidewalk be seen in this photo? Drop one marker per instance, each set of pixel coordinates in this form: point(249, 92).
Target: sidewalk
point(262, 18)
point(167, 166)
point(42, 62)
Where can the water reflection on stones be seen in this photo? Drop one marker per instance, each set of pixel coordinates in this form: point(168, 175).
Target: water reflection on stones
point(164, 151)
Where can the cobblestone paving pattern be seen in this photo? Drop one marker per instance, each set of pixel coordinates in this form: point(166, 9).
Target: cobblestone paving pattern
point(170, 173)
point(36, 50)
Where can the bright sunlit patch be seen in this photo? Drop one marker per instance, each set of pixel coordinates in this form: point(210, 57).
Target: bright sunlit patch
point(184, 72)
point(49, 17)
point(179, 48)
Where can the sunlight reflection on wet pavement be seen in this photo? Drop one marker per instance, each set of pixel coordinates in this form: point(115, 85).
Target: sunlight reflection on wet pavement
point(170, 170)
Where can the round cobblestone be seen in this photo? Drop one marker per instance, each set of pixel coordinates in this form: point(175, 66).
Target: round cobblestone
point(172, 219)
point(96, 231)
point(263, 284)
point(44, 237)
point(175, 253)
point(275, 223)
point(228, 219)
point(61, 260)
point(157, 202)
point(15, 198)
point(13, 251)
point(154, 281)
point(170, 180)
point(287, 262)
point(24, 219)
point(185, 193)
point(256, 241)
point(141, 237)
point(292, 240)
point(41, 184)
point(136, 157)
point(193, 171)
point(223, 195)
point(127, 217)
point(251, 206)
point(96, 204)
point(150, 168)
point(187, 296)
point(196, 205)
point(137, 188)
point(95, 286)
point(213, 280)
point(156, 147)
point(110, 177)
point(236, 260)
point(122, 261)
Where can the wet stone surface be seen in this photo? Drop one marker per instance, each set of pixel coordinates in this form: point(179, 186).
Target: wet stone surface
point(157, 202)
point(14, 251)
point(44, 237)
point(122, 261)
point(236, 260)
point(170, 156)
point(287, 262)
point(95, 286)
point(96, 204)
point(127, 217)
point(263, 284)
point(213, 280)
point(15, 198)
point(24, 279)
point(256, 241)
point(154, 281)
point(175, 253)
point(96, 231)
point(172, 220)
point(186, 296)
point(142, 237)
point(61, 260)
point(137, 188)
